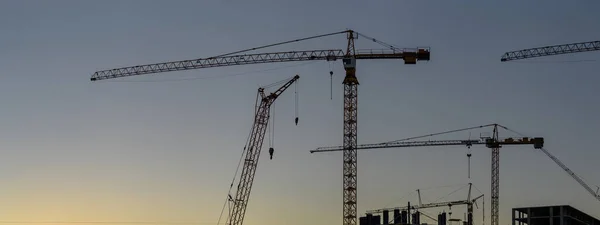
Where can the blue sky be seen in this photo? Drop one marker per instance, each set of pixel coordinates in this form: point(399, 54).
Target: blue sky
point(166, 150)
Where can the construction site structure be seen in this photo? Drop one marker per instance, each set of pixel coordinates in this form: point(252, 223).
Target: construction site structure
point(493, 142)
point(350, 110)
point(551, 50)
point(551, 215)
point(411, 214)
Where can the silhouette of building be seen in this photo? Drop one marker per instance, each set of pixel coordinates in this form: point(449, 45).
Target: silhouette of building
point(551, 215)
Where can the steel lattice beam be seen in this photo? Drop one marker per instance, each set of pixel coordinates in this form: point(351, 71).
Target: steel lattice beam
point(245, 59)
point(350, 153)
point(495, 192)
point(350, 135)
point(404, 144)
point(231, 60)
point(551, 50)
point(495, 186)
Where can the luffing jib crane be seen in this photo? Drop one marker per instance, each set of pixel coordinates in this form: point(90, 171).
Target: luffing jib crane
point(409, 56)
point(551, 50)
point(252, 152)
point(493, 143)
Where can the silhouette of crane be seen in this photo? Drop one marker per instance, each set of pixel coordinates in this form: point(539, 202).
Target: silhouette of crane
point(410, 56)
point(493, 143)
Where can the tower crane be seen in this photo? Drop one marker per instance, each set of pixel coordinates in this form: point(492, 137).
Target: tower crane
point(350, 82)
point(493, 143)
point(551, 50)
point(252, 152)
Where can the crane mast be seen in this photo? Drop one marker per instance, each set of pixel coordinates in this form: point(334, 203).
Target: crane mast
point(252, 153)
point(350, 134)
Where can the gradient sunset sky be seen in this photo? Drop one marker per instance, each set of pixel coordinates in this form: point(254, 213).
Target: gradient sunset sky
point(165, 147)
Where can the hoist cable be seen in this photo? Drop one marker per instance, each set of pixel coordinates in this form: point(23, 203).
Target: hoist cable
point(296, 96)
point(273, 125)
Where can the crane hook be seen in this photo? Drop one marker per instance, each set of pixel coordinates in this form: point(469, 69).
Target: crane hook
point(271, 151)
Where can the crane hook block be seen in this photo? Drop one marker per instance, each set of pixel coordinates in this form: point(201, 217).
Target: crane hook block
point(271, 150)
point(296, 121)
point(330, 73)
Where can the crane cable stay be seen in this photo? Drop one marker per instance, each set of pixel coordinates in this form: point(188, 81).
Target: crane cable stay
point(410, 56)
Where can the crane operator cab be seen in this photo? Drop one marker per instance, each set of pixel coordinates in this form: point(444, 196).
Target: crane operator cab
point(349, 63)
point(271, 151)
point(350, 67)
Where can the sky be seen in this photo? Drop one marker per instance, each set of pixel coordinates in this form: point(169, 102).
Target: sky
point(165, 147)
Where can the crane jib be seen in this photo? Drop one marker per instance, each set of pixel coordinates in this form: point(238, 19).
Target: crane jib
point(246, 59)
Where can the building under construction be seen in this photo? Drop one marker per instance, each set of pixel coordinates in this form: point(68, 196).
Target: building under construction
point(411, 214)
point(404, 218)
point(551, 215)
